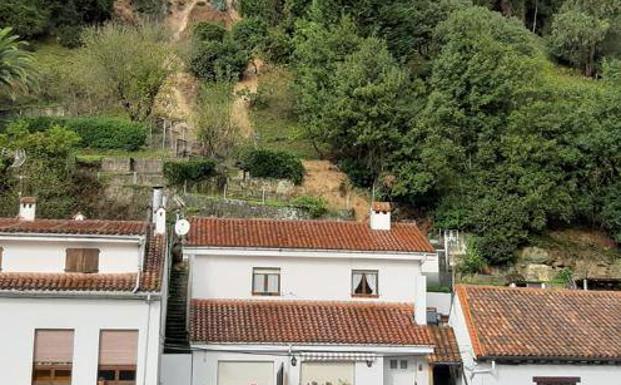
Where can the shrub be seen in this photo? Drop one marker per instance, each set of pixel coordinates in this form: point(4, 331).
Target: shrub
point(179, 172)
point(250, 33)
point(98, 132)
point(316, 206)
point(205, 31)
point(273, 164)
point(472, 262)
point(69, 36)
point(215, 60)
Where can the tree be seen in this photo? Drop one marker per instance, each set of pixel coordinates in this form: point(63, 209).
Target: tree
point(130, 63)
point(215, 60)
point(16, 67)
point(217, 132)
point(580, 30)
point(28, 18)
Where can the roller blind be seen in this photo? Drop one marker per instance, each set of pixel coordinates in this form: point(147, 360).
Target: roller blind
point(325, 373)
point(53, 347)
point(118, 347)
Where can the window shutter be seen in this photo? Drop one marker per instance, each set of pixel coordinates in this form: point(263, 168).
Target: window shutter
point(72, 260)
point(91, 260)
point(53, 347)
point(118, 347)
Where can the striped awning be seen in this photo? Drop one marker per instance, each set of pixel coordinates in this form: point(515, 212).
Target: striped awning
point(337, 356)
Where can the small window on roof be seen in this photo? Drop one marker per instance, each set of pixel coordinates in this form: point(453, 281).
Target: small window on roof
point(82, 260)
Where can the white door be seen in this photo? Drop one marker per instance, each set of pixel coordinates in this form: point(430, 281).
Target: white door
point(245, 373)
point(327, 373)
point(398, 371)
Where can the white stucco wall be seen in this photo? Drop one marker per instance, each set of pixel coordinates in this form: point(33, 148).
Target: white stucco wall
point(175, 369)
point(523, 374)
point(86, 317)
point(49, 256)
point(301, 277)
point(205, 369)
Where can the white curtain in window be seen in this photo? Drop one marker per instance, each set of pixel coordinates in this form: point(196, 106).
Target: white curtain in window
point(272, 283)
point(372, 281)
point(53, 346)
point(356, 281)
point(259, 283)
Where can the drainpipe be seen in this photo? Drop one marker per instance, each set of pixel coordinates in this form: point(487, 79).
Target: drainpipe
point(140, 258)
point(146, 345)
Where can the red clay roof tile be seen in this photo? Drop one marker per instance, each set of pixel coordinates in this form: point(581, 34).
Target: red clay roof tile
point(446, 350)
point(305, 322)
point(318, 235)
point(555, 324)
point(70, 226)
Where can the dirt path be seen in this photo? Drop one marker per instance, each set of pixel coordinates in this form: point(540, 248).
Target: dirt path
point(179, 17)
point(325, 180)
point(240, 113)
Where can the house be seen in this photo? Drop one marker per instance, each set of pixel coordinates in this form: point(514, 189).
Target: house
point(538, 336)
point(81, 300)
point(277, 302)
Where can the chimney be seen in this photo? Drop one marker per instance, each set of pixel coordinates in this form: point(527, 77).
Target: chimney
point(27, 208)
point(420, 300)
point(379, 218)
point(157, 202)
point(160, 221)
point(79, 216)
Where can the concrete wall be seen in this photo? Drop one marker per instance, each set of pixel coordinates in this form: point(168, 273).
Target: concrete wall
point(301, 277)
point(49, 256)
point(205, 369)
point(87, 317)
point(441, 301)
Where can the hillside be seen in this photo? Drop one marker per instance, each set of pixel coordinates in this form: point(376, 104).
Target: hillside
point(498, 121)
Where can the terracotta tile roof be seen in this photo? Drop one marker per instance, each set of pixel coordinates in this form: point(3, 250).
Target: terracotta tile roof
point(305, 322)
point(150, 278)
point(446, 350)
point(542, 324)
point(70, 226)
point(318, 235)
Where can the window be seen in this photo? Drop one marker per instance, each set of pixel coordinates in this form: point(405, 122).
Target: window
point(327, 373)
point(399, 364)
point(364, 283)
point(393, 364)
point(82, 260)
point(265, 281)
point(403, 364)
point(118, 351)
point(556, 380)
point(53, 357)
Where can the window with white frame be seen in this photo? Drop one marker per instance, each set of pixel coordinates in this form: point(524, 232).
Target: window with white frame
point(364, 283)
point(265, 281)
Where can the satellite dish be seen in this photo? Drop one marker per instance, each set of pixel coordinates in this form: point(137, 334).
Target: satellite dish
point(182, 227)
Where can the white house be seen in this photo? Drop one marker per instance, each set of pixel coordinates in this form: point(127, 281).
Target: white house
point(311, 302)
point(526, 336)
point(80, 300)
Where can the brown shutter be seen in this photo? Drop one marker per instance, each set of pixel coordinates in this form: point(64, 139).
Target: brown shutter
point(53, 347)
point(118, 347)
point(72, 260)
point(91, 260)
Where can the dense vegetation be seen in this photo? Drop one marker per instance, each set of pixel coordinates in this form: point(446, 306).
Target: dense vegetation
point(498, 117)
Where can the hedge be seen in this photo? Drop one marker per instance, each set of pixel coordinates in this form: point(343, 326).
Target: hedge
point(98, 132)
point(179, 172)
point(273, 164)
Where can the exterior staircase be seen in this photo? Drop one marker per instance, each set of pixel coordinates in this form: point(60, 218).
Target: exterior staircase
point(177, 337)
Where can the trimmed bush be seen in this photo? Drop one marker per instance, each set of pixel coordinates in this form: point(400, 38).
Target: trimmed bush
point(98, 132)
point(205, 31)
point(316, 206)
point(273, 164)
point(179, 172)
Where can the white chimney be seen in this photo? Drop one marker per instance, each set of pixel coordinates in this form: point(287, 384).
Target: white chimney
point(27, 208)
point(79, 216)
point(379, 217)
point(157, 202)
point(420, 300)
point(160, 221)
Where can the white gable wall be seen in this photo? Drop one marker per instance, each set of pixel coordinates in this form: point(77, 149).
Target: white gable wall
point(302, 278)
point(49, 256)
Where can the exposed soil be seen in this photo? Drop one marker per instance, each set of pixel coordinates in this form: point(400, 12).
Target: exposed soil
point(324, 179)
point(240, 113)
point(124, 11)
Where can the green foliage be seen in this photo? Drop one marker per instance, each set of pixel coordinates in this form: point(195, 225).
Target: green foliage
point(273, 164)
point(472, 262)
point(207, 31)
point(28, 18)
point(220, 5)
point(564, 277)
point(316, 206)
point(16, 68)
point(69, 36)
point(267, 10)
point(250, 33)
point(97, 132)
point(178, 173)
point(215, 60)
point(212, 119)
point(129, 64)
